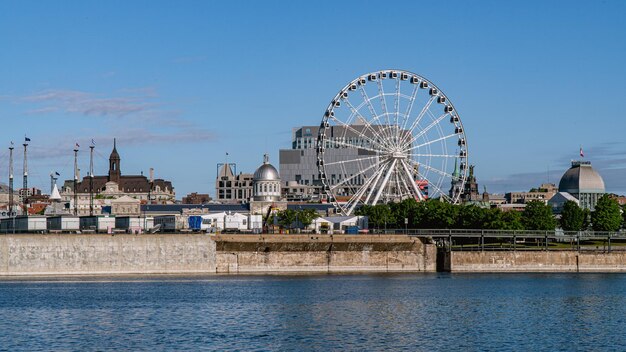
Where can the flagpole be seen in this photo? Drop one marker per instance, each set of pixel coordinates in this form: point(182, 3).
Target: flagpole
point(11, 213)
point(91, 179)
point(75, 180)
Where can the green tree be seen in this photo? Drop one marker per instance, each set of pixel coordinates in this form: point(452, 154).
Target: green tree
point(286, 218)
point(470, 217)
point(405, 209)
point(435, 214)
point(538, 216)
point(379, 215)
point(512, 220)
point(607, 215)
point(573, 217)
point(306, 217)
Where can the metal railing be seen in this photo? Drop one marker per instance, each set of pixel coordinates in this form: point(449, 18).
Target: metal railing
point(518, 240)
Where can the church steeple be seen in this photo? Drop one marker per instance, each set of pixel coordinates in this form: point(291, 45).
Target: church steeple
point(114, 164)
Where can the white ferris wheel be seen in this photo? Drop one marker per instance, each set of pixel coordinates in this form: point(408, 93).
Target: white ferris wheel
point(388, 136)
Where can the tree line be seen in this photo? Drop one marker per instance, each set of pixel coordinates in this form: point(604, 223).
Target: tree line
point(434, 214)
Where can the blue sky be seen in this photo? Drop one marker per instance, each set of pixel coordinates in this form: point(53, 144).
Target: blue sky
point(181, 83)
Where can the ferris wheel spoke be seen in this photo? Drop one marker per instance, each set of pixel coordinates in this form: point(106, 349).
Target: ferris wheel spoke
point(424, 131)
point(348, 179)
point(442, 194)
point(343, 162)
point(368, 125)
point(383, 103)
point(368, 101)
point(435, 155)
point(431, 142)
point(360, 134)
point(442, 173)
point(349, 145)
point(396, 107)
point(381, 95)
point(418, 119)
point(410, 106)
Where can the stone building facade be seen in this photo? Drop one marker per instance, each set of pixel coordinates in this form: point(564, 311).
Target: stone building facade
point(116, 185)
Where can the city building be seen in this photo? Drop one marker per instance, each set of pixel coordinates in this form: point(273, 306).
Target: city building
point(231, 188)
point(25, 193)
point(126, 206)
point(196, 198)
point(56, 206)
point(456, 183)
point(470, 189)
point(266, 182)
point(115, 185)
point(299, 164)
point(583, 183)
point(558, 201)
point(295, 192)
point(495, 200)
point(544, 193)
point(266, 189)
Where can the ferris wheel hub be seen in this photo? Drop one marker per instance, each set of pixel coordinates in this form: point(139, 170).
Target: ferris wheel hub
point(398, 155)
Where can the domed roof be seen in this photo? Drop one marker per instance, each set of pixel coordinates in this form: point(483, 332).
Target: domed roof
point(581, 178)
point(266, 172)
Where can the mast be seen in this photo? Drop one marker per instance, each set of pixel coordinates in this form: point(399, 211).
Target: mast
point(76, 180)
point(11, 182)
point(25, 179)
point(91, 178)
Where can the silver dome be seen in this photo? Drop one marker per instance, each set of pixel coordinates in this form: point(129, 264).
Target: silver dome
point(581, 178)
point(266, 172)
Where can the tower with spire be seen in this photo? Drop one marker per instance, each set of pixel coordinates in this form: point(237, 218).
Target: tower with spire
point(114, 164)
point(456, 183)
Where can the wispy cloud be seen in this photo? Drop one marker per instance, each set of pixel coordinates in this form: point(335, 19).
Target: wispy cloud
point(63, 145)
point(85, 103)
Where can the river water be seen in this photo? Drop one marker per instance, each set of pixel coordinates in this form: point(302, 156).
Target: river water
point(410, 312)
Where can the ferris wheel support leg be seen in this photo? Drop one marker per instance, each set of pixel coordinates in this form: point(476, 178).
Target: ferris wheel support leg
point(413, 185)
point(385, 180)
point(358, 195)
point(371, 192)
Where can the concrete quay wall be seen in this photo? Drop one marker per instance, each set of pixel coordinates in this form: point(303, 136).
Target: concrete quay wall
point(323, 254)
point(538, 261)
point(95, 254)
point(34, 255)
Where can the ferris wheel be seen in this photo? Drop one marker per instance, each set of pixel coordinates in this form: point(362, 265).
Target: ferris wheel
point(388, 136)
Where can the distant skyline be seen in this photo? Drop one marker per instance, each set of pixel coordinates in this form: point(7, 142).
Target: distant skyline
point(180, 84)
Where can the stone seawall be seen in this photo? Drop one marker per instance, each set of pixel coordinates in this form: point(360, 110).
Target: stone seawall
point(323, 253)
point(538, 261)
point(63, 254)
point(23, 255)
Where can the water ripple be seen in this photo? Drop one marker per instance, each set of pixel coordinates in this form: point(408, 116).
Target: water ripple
point(403, 312)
